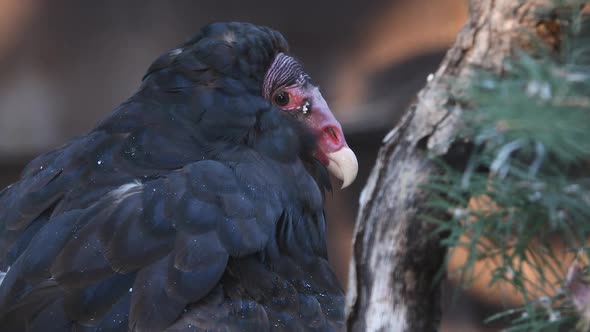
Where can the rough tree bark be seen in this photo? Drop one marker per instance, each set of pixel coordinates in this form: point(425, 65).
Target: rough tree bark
point(392, 282)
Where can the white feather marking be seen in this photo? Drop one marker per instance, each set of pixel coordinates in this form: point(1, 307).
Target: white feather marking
point(127, 189)
point(229, 37)
point(3, 274)
point(175, 52)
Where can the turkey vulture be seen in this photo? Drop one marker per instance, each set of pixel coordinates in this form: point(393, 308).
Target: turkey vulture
point(196, 205)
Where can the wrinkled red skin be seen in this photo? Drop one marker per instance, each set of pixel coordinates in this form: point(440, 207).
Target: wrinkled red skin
point(319, 119)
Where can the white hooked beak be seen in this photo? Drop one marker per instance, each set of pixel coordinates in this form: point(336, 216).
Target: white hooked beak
point(344, 165)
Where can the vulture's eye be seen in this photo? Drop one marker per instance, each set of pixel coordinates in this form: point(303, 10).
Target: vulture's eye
point(282, 98)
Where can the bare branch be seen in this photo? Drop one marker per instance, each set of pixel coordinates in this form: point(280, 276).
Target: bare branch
point(392, 282)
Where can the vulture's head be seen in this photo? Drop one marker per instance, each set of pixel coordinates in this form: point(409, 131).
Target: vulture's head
point(290, 89)
point(269, 100)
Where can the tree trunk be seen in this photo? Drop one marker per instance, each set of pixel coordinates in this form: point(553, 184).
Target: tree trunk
point(394, 283)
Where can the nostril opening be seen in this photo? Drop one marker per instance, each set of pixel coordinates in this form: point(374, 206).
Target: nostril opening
point(332, 136)
point(332, 132)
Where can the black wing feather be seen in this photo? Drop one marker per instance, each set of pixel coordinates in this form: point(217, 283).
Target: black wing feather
point(83, 305)
point(146, 229)
point(152, 308)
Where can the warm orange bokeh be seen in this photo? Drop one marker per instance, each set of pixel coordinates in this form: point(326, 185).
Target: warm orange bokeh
point(401, 31)
point(503, 291)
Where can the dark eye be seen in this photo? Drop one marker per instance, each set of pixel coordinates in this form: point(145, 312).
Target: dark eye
point(282, 98)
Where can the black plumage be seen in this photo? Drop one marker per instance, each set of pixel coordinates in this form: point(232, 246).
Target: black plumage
point(195, 206)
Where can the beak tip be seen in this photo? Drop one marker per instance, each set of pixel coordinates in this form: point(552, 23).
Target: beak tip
point(344, 165)
point(346, 183)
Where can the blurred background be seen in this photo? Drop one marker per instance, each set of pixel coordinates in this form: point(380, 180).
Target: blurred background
point(64, 64)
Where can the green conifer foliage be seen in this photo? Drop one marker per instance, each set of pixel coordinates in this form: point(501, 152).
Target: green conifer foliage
point(526, 133)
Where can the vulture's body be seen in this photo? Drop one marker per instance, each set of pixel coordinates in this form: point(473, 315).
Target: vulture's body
point(195, 206)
